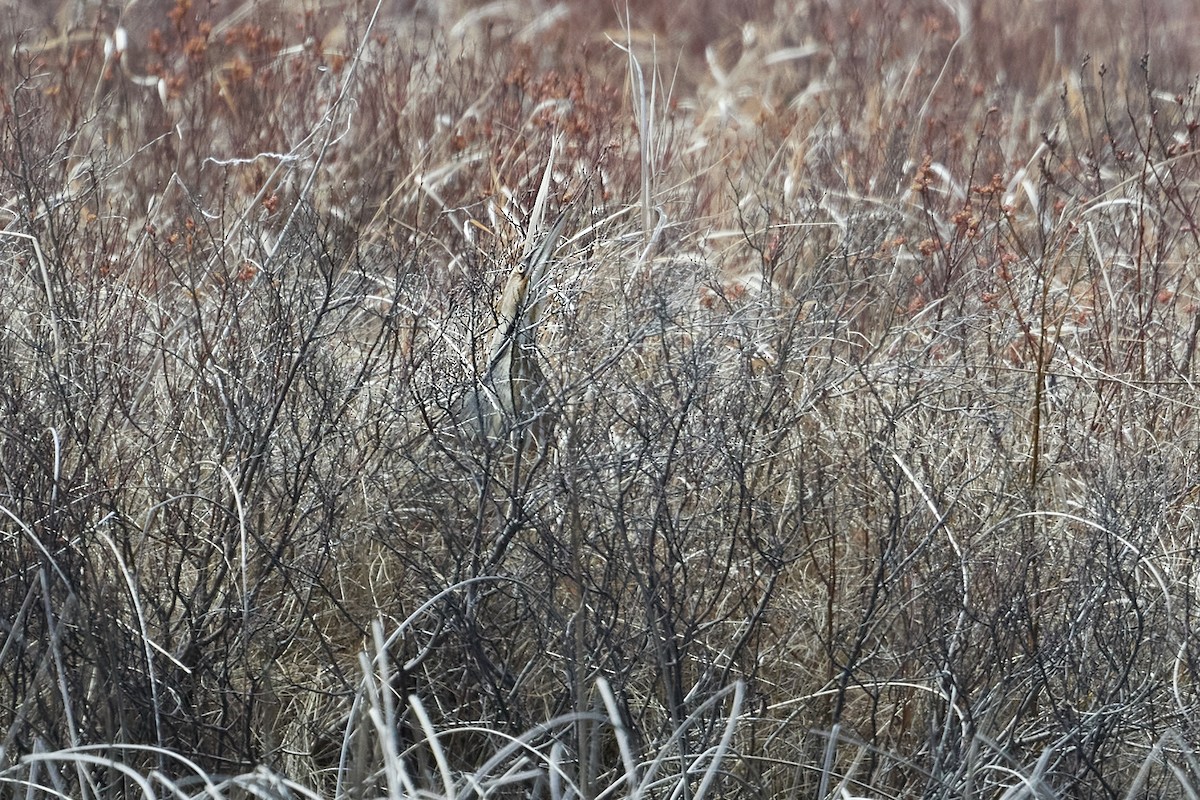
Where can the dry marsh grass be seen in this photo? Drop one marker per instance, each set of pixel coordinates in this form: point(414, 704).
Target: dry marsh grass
point(868, 355)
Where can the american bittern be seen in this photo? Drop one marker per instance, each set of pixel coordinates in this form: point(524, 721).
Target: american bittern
point(510, 396)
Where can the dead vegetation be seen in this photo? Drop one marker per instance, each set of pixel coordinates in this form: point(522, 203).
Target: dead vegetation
point(869, 350)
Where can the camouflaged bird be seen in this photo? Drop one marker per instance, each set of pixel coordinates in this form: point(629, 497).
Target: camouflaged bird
point(509, 398)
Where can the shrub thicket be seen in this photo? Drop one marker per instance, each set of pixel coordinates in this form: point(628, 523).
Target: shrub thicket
point(867, 465)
